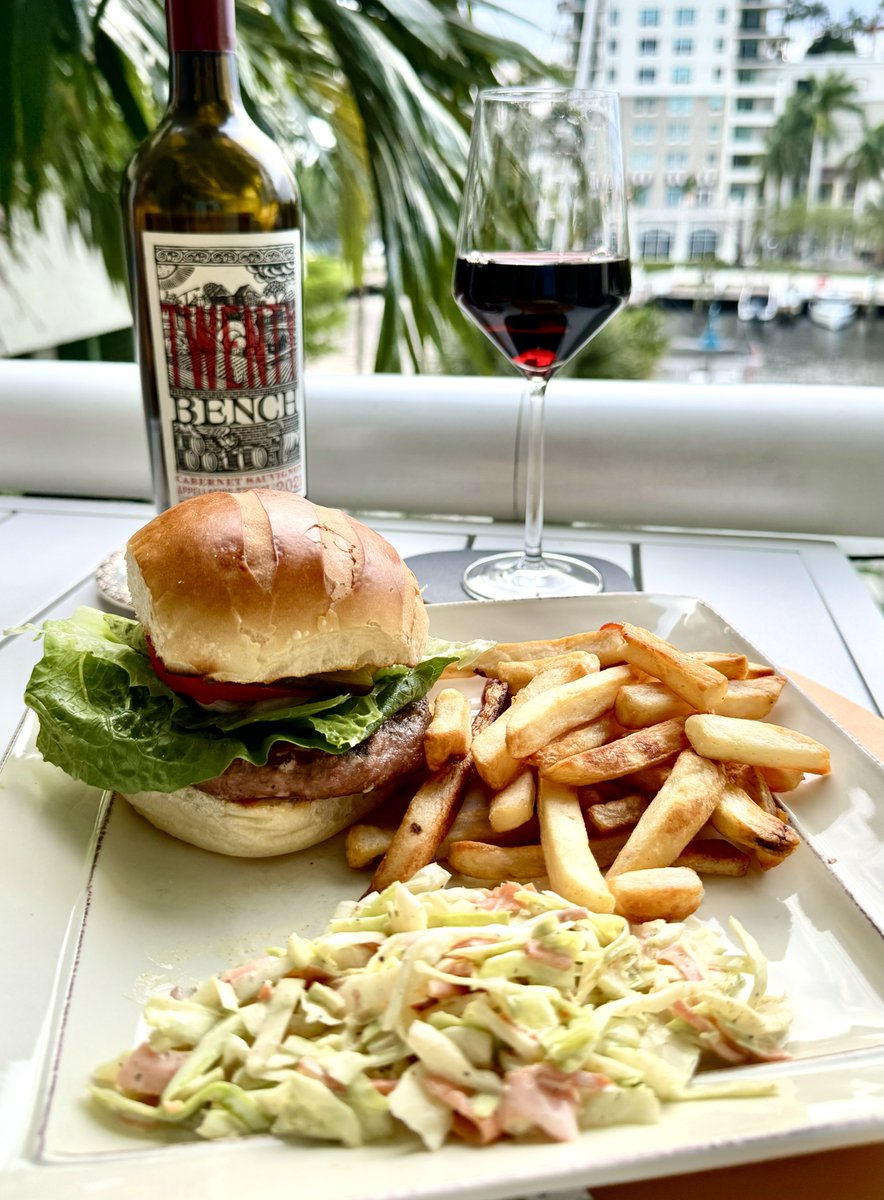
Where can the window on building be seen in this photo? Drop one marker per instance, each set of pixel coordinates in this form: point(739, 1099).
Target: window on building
point(737, 193)
point(744, 76)
point(703, 198)
point(644, 105)
point(640, 196)
point(824, 193)
point(721, 16)
point(678, 131)
point(644, 132)
point(719, 45)
point(716, 74)
point(647, 46)
point(655, 243)
point(743, 133)
point(716, 103)
point(739, 162)
point(641, 160)
point(751, 19)
point(683, 46)
point(649, 16)
point(745, 104)
point(676, 160)
point(680, 106)
point(714, 131)
point(748, 51)
point(612, 75)
point(685, 16)
point(711, 158)
point(681, 74)
point(612, 45)
point(673, 197)
point(613, 16)
point(703, 244)
point(646, 75)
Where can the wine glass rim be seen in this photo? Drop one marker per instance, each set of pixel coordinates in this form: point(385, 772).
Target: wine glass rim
point(525, 93)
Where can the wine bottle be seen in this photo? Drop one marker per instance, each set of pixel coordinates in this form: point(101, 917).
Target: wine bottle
point(213, 216)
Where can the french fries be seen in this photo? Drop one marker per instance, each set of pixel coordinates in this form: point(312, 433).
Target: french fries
point(736, 739)
point(700, 685)
point(514, 805)
point(680, 809)
point(630, 753)
point(449, 733)
point(432, 809)
point(646, 895)
point(572, 869)
point(613, 765)
point(553, 713)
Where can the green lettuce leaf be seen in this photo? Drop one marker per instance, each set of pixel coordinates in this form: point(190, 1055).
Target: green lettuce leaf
point(106, 718)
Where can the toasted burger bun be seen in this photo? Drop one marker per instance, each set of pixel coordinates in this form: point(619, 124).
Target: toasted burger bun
point(257, 829)
point(257, 586)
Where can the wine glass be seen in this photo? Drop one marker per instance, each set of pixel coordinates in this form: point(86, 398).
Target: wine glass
point(542, 264)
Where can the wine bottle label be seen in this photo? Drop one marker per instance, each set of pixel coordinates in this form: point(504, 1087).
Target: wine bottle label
point(225, 322)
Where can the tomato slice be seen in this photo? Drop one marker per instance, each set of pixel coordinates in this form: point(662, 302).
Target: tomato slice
point(208, 691)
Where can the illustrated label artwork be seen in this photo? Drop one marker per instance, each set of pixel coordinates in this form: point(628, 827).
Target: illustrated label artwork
point(225, 325)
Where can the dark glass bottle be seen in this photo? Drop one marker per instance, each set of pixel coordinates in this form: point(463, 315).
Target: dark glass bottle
point(213, 218)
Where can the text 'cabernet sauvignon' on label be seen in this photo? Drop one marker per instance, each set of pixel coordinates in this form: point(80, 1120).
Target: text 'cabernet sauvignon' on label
point(225, 329)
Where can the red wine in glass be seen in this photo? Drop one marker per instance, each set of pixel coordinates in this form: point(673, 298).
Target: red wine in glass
point(540, 308)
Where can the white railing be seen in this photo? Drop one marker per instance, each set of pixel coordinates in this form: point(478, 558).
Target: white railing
point(736, 457)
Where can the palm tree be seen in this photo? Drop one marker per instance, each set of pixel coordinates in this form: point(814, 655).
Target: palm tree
point(866, 161)
point(788, 148)
point(826, 100)
point(375, 97)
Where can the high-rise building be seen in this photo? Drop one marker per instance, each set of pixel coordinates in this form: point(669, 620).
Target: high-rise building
point(700, 84)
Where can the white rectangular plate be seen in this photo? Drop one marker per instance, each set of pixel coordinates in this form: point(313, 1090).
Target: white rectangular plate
point(149, 912)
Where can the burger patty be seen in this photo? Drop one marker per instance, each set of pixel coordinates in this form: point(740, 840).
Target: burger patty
point(396, 748)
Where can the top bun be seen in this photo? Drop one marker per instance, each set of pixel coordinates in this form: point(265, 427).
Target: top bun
point(255, 586)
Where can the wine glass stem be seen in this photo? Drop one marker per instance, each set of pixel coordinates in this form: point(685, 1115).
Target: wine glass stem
point(534, 396)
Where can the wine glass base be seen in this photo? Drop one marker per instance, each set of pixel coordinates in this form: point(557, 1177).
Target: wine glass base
point(514, 577)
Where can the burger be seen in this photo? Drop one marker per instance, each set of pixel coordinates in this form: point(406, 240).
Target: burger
point(272, 689)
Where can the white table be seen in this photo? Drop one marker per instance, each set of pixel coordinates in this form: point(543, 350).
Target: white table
point(799, 600)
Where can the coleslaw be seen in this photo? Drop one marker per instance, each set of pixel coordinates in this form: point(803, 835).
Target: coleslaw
point(477, 1013)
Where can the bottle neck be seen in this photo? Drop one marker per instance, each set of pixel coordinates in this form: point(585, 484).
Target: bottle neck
point(199, 77)
point(202, 62)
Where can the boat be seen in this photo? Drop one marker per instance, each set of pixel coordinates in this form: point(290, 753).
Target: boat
point(831, 312)
point(757, 304)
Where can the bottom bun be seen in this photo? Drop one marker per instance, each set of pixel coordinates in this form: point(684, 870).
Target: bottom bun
point(256, 828)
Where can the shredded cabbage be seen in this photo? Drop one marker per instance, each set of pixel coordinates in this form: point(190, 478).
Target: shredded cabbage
point(450, 1011)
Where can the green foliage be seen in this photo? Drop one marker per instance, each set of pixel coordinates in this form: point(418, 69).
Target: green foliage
point(325, 307)
point(627, 348)
point(375, 96)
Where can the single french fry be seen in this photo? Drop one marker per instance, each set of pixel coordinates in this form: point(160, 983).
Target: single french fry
point(607, 644)
point(751, 698)
point(449, 732)
point(701, 686)
point(494, 763)
point(513, 805)
point(613, 815)
point(713, 856)
point(480, 860)
point(668, 893)
point(740, 820)
point(677, 813)
point(572, 869)
point(585, 737)
point(542, 718)
point(639, 705)
point(753, 784)
point(433, 807)
point(518, 674)
point(734, 739)
point(756, 670)
point(634, 751)
point(781, 779)
point(730, 665)
point(365, 843)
